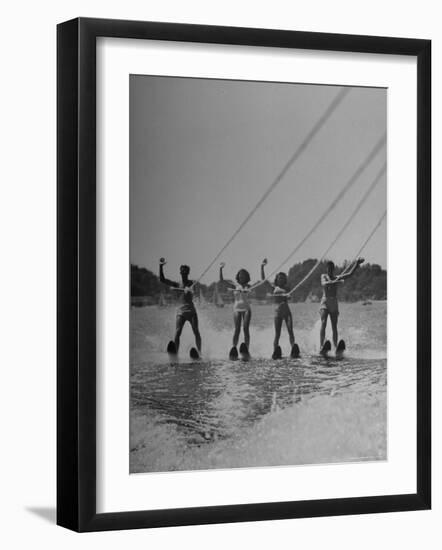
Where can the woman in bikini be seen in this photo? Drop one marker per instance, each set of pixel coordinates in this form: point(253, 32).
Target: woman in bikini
point(282, 313)
point(329, 302)
point(186, 310)
point(242, 312)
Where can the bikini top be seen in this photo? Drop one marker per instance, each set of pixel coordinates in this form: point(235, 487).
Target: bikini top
point(279, 294)
point(241, 295)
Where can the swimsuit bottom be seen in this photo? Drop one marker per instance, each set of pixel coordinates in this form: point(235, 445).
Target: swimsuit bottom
point(186, 312)
point(282, 310)
point(241, 307)
point(330, 305)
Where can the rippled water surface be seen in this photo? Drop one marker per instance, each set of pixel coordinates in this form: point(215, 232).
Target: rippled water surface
point(216, 413)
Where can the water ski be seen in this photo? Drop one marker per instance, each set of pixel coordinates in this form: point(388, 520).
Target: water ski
point(277, 353)
point(326, 347)
point(171, 348)
point(340, 348)
point(233, 354)
point(194, 353)
point(294, 354)
point(244, 352)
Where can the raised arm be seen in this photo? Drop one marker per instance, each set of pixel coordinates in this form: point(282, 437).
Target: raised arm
point(221, 267)
point(221, 277)
point(163, 278)
point(263, 264)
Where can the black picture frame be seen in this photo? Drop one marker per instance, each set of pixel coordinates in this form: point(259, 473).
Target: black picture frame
point(76, 274)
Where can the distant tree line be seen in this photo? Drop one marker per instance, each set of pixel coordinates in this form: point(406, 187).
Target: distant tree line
point(369, 282)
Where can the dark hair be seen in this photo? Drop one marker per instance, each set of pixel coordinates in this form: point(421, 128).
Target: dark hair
point(278, 276)
point(184, 267)
point(245, 272)
point(330, 265)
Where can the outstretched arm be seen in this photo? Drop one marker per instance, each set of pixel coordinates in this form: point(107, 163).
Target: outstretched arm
point(326, 281)
point(163, 278)
point(350, 270)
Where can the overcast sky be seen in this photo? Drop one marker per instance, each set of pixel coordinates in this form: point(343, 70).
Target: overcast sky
point(202, 153)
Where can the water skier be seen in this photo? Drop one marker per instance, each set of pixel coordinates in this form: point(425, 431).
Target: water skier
point(186, 311)
point(242, 311)
point(282, 312)
point(329, 301)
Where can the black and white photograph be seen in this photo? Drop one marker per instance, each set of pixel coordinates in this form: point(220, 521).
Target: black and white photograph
point(220, 262)
point(258, 274)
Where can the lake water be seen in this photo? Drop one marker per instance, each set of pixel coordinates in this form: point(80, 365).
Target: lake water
point(216, 413)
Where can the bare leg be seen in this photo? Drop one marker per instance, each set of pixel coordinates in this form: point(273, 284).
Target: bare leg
point(278, 325)
point(289, 324)
point(237, 320)
point(334, 324)
point(246, 325)
point(324, 315)
point(178, 330)
point(196, 331)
